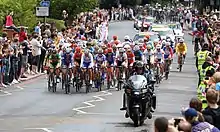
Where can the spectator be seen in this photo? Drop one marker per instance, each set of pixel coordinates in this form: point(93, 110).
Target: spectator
point(36, 52)
point(212, 112)
point(191, 116)
point(218, 91)
point(161, 124)
point(23, 58)
point(37, 29)
point(197, 105)
point(9, 22)
point(47, 31)
point(22, 35)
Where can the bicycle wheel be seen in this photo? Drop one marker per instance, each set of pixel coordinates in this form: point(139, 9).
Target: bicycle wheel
point(66, 82)
point(87, 81)
point(54, 84)
point(49, 82)
point(181, 64)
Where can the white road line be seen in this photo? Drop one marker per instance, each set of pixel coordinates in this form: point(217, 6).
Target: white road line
point(44, 129)
point(6, 93)
point(19, 87)
point(89, 104)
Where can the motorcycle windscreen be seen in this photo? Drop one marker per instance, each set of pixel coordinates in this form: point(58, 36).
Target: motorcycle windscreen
point(137, 81)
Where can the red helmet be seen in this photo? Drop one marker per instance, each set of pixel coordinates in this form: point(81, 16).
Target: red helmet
point(109, 45)
point(110, 50)
point(115, 37)
point(78, 49)
point(83, 38)
point(116, 42)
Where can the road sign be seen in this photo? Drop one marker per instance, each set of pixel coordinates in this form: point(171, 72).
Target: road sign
point(45, 3)
point(42, 11)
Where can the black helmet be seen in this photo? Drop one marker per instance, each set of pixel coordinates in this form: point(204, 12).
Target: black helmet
point(205, 46)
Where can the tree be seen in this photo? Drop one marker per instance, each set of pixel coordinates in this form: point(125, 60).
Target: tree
point(72, 7)
point(23, 11)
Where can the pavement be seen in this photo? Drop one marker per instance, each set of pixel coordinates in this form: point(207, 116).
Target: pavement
point(29, 107)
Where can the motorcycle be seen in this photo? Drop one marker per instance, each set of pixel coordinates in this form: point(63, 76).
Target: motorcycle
point(138, 99)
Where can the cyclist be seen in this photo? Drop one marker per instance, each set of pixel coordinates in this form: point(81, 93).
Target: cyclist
point(181, 48)
point(87, 63)
point(77, 60)
point(55, 61)
point(100, 61)
point(148, 56)
point(138, 53)
point(67, 62)
point(131, 59)
point(110, 60)
point(126, 40)
point(168, 52)
point(115, 40)
point(121, 60)
point(159, 57)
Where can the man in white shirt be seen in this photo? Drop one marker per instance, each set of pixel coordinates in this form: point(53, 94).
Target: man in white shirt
point(36, 52)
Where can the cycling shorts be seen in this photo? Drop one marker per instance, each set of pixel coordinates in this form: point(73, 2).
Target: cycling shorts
point(87, 65)
point(54, 65)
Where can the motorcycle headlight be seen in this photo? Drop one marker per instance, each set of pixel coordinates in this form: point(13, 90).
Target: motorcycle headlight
point(144, 90)
point(137, 93)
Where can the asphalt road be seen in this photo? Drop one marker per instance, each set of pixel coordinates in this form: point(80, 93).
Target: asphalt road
point(29, 107)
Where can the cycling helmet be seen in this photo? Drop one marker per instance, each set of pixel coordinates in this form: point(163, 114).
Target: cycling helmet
point(115, 37)
point(168, 39)
point(83, 38)
point(120, 46)
point(68, 50)
point(110, 50)
point(54, 51)
point(114, 46)
point(121, 50)
point(181, 40)
point(50, 50)
point(158, 47)
point(148, 46)
point(139, 64)
point(86, 51)
point(127, 46)
point(136, 47)
point(100, 51)
point(126, 37)
point(78, 49)
point(167, 43)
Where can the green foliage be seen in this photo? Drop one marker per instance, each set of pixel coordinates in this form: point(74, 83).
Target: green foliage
point(59, 23)
point(73, 7)
point(23, 11)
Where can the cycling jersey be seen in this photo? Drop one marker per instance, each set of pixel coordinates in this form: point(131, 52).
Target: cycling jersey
point(54, 60)
point(100, 59)
point(148, 56)
point(181, 48)
point(87, 61)
point(138, 55)
point(110, 58)
point(131, 58)
point(67, 60)
point(167, 52)
point(120, 58)
point(159, 55)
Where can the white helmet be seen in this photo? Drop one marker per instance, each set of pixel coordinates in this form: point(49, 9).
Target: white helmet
point(126, 37)
point(181, 40)
point(121, 50)
point(167, 43)
point(158, 47)
point(136, 48)
point(119, 45)
point(68, 50)
point(127, 46)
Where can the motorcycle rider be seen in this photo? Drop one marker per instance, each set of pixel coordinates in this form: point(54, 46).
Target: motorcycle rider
point(139, 69)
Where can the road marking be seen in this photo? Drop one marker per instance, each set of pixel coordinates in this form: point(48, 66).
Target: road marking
point(89, 104)
point(6, 93)
point(19, 87)
point(44, 129)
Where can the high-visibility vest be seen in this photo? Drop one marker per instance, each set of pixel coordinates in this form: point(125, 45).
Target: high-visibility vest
point(202, 55)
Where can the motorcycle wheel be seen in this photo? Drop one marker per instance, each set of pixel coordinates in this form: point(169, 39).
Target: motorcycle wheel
point(136, 117)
